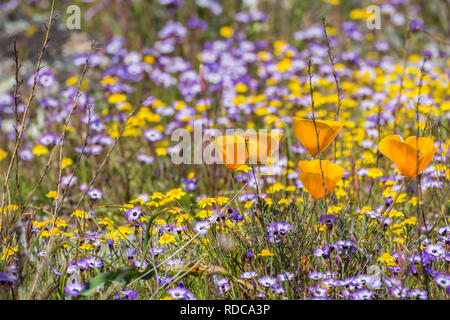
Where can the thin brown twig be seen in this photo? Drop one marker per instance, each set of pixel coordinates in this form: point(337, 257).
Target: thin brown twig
point(64, 131)
point(17, 101)
point(435, 37)
point(60, 145)
point(311, 90)
point(27, 108)
point(59, 204)
point(336, 80)
point(419, 210)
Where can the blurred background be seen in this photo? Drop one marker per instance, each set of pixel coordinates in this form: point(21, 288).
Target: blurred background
point(139, 21)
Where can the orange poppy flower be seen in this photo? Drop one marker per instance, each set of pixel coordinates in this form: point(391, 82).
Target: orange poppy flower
point(261, 145)
point(232, 150)
point(306, 133)
point(404, 154)
point(311, 176)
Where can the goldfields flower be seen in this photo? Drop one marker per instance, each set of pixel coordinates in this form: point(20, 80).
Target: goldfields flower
point(265, 253)
point(311, 176)
point(232, 150)
point(306, 133)
point(226, 32)
point(52, 194)
point(3, 154)
point(261, 145)
point(404, 154)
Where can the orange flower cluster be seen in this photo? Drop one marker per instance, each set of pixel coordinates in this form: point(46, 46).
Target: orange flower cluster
point(319, 177)
point(234, 150)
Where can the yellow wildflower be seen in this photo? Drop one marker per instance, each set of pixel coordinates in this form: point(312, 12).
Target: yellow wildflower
point(66, 162)
point(167, 238)
point(8, 252)
point(226, 32)
point(40, 150)
point(52, 194)
point(265, 253)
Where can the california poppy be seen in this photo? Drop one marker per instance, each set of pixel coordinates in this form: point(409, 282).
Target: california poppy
point(312, 179)
point(261, 145)
point(411, 156)
point(306, 133)
point(232, 150)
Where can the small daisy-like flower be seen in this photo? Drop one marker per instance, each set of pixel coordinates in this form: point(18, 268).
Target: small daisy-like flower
point(6, 99)
point(25, 154)
point(68, 181)
point(436, 250)
point(249, 275)
point(114, 45)
point(140, 264)
point(322, 252)
point(282, 227)
point(157, 251)
point(153, 135)
point(7, 278)
point(315, 275)
point(267, 281)
point(133, 214)
point(285, 276)
point(93, 262)
point(95, 194)
point(442, 280)
point(362, 294)
point(173, 262)
point(223, 289)
point(318, 291)
point(278, 290)
point(177, 293)
point(74, 288)
point(163, 280)
point(46, 79)
point(372, 214)
point(190, 184)
point(48, 139)
point(72, 268)
point(127, 295)
point(202, 227)
point(145, 158)
point(418, 294)
point(328, 219)
point(82, 264)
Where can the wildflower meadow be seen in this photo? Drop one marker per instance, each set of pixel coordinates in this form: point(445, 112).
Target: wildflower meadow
point(224, 150)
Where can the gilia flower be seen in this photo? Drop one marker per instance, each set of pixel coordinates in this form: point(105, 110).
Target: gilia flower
point(311, 176)
point(306, 133)
point(232, 150)
point(261, 145)
point(404, 154)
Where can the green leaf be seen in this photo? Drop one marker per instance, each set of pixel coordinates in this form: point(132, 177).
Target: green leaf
point(121, 276)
